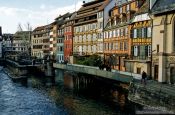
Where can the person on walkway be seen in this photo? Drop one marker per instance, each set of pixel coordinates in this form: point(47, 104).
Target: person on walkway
point(144, 75)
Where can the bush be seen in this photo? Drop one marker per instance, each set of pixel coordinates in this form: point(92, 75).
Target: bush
point(93, 60)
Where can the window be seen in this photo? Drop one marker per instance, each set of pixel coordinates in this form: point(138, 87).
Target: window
point(149, 32)
point(126, 31)
point(110, 34)
point(109, 46)
point(114, 33)
point(128, 7)
point(100, 25)
point(106, 34)
point(135, 50)
point(118, 33)
point(157, 48)
point(117, 46)
point(142, 51)
point(139, 33)
point(100, 14)
point(121, 45)
point(135, 33)
point(121, 32)
point(120, 10)
point(144, 32)
point(61, 48)
point(125, 46)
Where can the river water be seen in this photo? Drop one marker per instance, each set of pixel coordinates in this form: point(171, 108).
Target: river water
point(37, 97)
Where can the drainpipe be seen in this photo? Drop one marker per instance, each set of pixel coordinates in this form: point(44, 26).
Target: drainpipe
point(151, 64)
point(103, 37)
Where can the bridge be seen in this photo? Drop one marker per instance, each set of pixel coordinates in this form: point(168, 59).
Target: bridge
point(114, 75)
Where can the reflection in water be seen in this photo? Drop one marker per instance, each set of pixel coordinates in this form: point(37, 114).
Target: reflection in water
point(18, 100)
point(39, 96)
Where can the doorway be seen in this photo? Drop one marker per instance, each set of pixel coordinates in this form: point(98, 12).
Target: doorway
point(156, 71)
point(172, 75)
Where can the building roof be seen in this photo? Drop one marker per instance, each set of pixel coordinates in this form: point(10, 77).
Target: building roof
point(39, 28)
point(92, 2)
point(105, 3)
point(144, 8)
point(63, 16)
point(163, 6)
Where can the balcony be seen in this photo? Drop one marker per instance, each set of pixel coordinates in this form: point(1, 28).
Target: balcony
point(141, 58)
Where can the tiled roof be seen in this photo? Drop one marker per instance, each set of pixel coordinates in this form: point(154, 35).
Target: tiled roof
point(39, 28)
point(162, 6)
point(42, 27)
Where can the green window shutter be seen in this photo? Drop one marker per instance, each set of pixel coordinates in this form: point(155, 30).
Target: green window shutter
point(146, 50)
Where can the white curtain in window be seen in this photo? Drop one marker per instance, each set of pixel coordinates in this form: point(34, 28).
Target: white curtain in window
point(135, 50)
point(135, 33)
point(89, 37)
point(94, 48)
point(94, 37)
point(149, 32)
point(84, 38)
point(84, 48)
point(80, 38)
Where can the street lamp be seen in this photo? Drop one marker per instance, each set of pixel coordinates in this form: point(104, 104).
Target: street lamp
point(151, 63)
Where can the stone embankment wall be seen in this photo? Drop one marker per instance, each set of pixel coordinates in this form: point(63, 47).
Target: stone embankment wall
point(158, 98)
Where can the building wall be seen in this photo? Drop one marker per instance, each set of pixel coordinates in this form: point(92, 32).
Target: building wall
point(40, 42)
point(68, 41)
point(85, 40)
point(164, 56)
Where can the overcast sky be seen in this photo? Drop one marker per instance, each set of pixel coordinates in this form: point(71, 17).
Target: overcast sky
point(36, 12)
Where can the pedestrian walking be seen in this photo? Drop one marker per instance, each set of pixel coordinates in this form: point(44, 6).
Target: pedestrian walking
point(144, 75)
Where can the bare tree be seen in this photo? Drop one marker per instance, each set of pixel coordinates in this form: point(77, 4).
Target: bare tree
point(25, 40)
point(28, 26)
point(19, 29)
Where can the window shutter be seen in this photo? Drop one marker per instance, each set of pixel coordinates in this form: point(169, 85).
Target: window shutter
point(145, 32)
point(132, 34)
point(137, 34)
point(138, 50)
point(132, 50)
point(146, 50)
point(140, 34)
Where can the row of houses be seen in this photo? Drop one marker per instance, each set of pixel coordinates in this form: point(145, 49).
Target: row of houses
point(133, 35)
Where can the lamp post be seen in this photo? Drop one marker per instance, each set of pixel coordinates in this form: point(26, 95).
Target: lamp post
point(151, 63)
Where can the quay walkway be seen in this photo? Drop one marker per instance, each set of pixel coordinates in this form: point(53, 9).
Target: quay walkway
point(154, 94)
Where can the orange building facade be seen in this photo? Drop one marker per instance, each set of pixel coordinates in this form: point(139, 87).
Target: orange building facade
point(117, 42)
